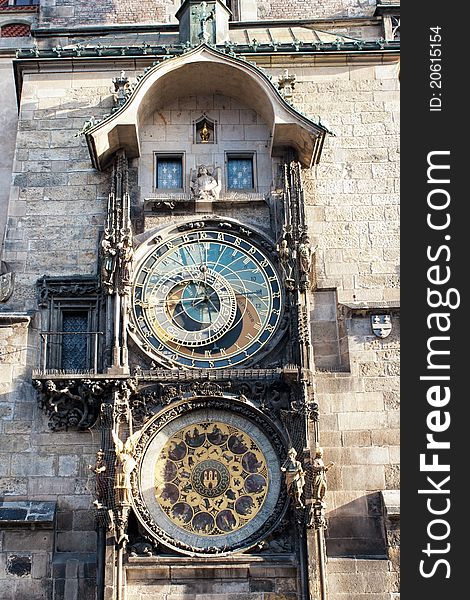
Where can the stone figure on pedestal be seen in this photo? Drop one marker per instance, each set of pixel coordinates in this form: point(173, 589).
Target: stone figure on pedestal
point(295, 477)
point(319, 475)
point(99, 469)
point(204, 186)
point(125, 464)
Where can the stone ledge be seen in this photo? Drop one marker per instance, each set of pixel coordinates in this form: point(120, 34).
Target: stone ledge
point(391, 504)
point(30, 514)
point(10, 318)
point(364, 308)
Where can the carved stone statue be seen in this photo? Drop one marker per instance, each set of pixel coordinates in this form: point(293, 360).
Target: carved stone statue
point(121, 89)
point(285, 254)
point(295, 477)
point(204, 186)
point(125, 257)
point(319, 469)
point(125, 464)
point(305, 255)
point(108, 261)
point(203, 16)
point(99, 469)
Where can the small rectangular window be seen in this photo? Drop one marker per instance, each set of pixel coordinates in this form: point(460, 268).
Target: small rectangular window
point(169, 172)
point(23, 2)
point(74, 342)
point(240, 172)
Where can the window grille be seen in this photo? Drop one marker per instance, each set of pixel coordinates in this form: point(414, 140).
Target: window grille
point(74, 344)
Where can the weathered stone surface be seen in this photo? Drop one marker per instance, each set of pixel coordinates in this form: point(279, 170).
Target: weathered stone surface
point(58, 210)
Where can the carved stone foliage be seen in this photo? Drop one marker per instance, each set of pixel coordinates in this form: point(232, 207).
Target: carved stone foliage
point(286, 84)
point(280, 541)
point(121, 89)
point(72, 404)
point(49, 288)
point(76, 403)
point(269, 396)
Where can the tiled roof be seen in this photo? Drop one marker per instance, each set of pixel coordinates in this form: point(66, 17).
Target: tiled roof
point(15, 30)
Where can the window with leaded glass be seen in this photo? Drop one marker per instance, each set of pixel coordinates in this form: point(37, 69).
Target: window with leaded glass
point(169, 172)
point(240, 173)
point(72, 336)
point(74, 341)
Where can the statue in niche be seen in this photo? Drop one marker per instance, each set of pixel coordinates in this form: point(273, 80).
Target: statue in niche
point(295, 477)
point(108, 260)
point(205, 133)
point(285, 254)
point(305, 255)
point(206, 183)
point(125, 258)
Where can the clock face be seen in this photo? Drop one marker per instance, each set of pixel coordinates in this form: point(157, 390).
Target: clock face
point(208, 479)
point(206, 299)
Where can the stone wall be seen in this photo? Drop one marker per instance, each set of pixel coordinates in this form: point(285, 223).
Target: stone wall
point(46, 468)
point(365, 579)
point(58, 201)
point(57, 209)
point(315, 9)
point(56, 13)
point(8, 123)
point(353, 194)
point(238, 129)
point(360, 433)
point(238, 579)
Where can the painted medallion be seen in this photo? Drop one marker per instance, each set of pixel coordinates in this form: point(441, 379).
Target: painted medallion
point(211, 478)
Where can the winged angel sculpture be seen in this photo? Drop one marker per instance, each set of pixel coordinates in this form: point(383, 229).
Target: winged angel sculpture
point(206, 183)
point(125, 464)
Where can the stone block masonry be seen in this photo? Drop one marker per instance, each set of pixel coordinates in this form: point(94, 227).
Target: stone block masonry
point(63, 12)
point(57, 210)
point(58, 200)
point(354, 184)
point(300, 9)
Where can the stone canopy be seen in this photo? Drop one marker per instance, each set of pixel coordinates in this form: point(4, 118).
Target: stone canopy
point(205, 70)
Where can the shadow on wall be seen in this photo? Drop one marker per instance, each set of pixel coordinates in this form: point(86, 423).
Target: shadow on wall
point(355, 532)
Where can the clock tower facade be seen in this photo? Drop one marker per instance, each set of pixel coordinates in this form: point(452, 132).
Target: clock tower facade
point(212, 430)
point(215, 322)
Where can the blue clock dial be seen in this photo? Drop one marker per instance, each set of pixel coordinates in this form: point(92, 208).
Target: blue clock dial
point(207, 299)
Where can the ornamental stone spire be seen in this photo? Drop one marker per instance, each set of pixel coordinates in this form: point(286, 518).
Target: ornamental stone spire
point(203, 22)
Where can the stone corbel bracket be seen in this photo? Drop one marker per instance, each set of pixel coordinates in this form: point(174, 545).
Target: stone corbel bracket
point(72, 403)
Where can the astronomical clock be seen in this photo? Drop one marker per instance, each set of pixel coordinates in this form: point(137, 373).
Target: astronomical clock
point(207, 299)
point(200, 387)
point(207, 302)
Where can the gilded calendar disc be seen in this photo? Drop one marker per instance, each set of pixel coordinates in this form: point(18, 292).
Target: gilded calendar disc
point(210, 479)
